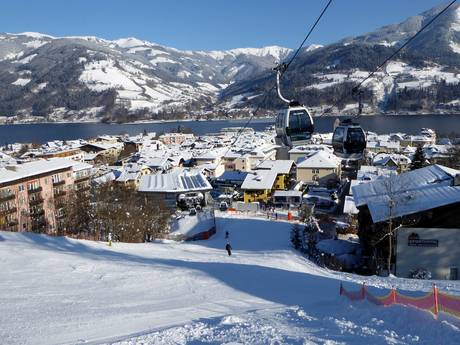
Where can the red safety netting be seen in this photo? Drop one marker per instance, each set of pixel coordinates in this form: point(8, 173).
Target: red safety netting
point(381, 300)
point(449, 304)
point(426, 302)
point(433, 301)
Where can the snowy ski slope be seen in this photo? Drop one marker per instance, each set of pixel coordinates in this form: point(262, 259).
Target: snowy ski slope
point(63, 291)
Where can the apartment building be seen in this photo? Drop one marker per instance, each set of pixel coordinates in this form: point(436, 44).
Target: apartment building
point(32, 194)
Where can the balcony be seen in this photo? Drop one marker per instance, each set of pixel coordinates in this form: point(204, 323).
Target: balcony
point(35, 190)
point(81, 179)
point(59, 193)
point(7, 197)
point(36, 201)
point(13, 223)
point(9, 211)
point(37, 213)
point(83, 189)
point(58, 183)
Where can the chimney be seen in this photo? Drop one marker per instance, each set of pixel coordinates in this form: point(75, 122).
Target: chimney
point(457, 180)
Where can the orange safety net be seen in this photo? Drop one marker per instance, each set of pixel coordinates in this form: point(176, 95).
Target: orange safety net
point(433, 301)
point(449, 304)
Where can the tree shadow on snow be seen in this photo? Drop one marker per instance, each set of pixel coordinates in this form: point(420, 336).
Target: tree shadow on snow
point(271, 284)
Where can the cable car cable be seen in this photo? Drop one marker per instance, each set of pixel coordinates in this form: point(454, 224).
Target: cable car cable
point(285, 66)
point(355, 89)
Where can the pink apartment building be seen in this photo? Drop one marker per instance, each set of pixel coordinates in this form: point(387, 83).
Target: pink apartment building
point(32, 194)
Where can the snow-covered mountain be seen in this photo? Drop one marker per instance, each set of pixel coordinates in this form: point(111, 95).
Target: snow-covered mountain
point(85, 76)
point(88, 77)
point(424, 77)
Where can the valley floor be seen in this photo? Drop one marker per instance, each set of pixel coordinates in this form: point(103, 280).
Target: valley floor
point(64, 291)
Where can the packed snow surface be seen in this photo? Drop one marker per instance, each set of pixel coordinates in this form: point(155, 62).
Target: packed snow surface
point(64, 291)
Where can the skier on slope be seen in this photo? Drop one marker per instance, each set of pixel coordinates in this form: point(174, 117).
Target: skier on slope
point(228, 247)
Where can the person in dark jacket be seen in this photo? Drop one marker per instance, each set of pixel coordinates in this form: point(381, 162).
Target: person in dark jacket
point(228, 247)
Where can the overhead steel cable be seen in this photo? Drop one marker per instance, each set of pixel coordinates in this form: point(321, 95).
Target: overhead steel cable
point(284, 67)
point(308, 34)
point(355, 89)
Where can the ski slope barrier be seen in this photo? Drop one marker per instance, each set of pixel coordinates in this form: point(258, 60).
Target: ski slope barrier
point(433, 302)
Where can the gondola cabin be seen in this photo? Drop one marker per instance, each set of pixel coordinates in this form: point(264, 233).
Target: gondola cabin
point(349, 141)
point(294, 125)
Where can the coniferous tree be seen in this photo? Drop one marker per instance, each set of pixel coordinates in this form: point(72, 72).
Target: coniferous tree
point(296, 239)
point(419, 160)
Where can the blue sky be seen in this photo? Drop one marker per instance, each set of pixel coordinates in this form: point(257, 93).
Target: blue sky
point(207, 24)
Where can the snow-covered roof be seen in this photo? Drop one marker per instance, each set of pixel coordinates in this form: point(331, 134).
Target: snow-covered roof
point(103, 146)
point(233, 176)
point(260, 179)
point(287, 193)
point(320, 159)
point(78, 166)
point(278, 166)
point(370, 173)
point(127, 176)
point(306, 149)
point(349, 207)
point(177, 181)
point(15, 172)
point(384, 158)
point(410, 192)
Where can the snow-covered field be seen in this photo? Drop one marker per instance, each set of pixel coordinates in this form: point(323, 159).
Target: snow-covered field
point(63, 291)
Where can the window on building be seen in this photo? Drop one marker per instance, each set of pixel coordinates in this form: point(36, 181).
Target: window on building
point(21, 187)
point(33, 185)
point(56, 178)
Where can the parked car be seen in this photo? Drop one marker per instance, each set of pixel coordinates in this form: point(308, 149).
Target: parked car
point(223, 206)
point(319, 201)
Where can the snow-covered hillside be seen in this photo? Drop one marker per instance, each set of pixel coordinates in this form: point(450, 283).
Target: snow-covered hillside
point(142, 74)
point(64, 291)
point(86, 77)
point(427, 70)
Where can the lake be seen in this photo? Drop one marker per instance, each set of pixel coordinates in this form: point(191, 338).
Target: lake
point(43, 132)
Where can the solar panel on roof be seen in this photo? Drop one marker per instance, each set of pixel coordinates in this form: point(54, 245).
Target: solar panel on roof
point(184, 183)
point(194, 181)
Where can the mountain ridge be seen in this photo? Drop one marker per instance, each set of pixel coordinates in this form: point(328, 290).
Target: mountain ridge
point(72, 78)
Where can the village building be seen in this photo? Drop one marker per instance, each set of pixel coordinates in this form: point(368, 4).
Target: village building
point(230, 180)
point(175, 138)
point(259, 185)
point(82, 173)
point(246, 159)
point(383, 146)
point(395, 161)
point(424, 198)
point(320, 168)
point(268, 176)
point(285, 172)
point(299, 153)
point(98, 152)
point(180, 187)
point(31, 194)
point(131, 173)
point(433, 251)
point(287, 198)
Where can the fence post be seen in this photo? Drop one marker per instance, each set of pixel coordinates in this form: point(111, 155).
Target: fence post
point(393, 295)
point(341, 289)
point(436, 305)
